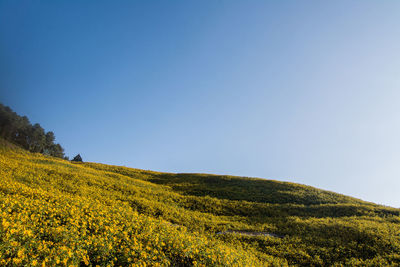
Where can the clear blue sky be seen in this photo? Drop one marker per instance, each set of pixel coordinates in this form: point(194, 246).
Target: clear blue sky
point(302, 91)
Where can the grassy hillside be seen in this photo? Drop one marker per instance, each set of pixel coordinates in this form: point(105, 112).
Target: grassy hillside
point(54, 212)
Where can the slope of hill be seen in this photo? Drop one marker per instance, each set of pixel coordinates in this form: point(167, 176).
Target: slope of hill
point(54, 212)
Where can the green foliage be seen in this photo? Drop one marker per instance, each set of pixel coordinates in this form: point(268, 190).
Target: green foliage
point(177, 219)
point(18, 130)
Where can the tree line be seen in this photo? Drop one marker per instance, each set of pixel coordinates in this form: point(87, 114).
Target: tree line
point(18, 130)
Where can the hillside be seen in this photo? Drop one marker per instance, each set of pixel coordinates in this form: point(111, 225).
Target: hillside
point(55, 212)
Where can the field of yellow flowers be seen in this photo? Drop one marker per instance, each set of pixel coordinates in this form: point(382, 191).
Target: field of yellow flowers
point(58, 213)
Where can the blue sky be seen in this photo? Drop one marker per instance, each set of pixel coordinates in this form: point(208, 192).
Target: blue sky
point(301, 91)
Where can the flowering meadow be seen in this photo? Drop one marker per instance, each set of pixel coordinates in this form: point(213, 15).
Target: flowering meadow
point(58, 213)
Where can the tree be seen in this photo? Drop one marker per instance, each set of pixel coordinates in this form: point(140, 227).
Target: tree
point(8, 125)
point(22, 135)
point(49, 143)
point(37, 138)
point(20, 131)
point(56, 150)
point(50, 138)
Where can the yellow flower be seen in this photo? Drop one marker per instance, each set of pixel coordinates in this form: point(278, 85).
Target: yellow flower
point(20, 253)
point(5, 223)
point(86, 259)
point(17, 261)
